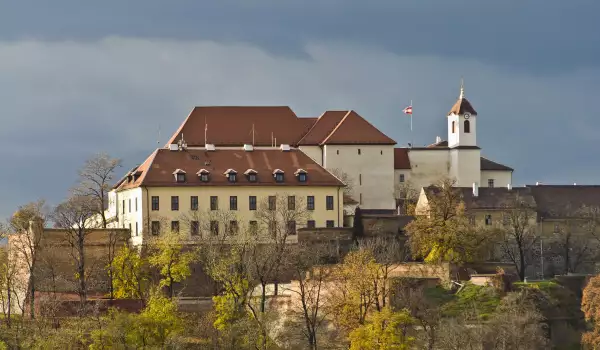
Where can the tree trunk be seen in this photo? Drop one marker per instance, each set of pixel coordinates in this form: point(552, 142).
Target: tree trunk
point(81, 270)
point(31, 295)
point(521, 263)
point(171, 287)
point(263, 297)
point(9, 304)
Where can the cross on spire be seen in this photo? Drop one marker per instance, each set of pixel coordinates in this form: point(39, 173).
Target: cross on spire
point(462, 89)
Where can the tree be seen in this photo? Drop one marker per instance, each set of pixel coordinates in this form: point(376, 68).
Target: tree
point(590, 305)
point(406, 196)
point(168, 254)
point(75, 216)
point(518, 234)
point(130, 274)
point(443, 231)
point(358, 229)
point(384, 330)
point(95, 179)
point(27, 241)
point(346, 179)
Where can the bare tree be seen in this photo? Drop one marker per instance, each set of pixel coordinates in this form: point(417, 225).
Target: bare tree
point(95, 181)
point(518, 235)
point(26, 241)
point(346, 179)
point(406, 195)
point(74, 216)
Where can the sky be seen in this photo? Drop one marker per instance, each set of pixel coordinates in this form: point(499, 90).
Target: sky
point(80, 77)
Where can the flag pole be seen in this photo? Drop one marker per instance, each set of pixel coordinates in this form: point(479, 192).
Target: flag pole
point(411, 125)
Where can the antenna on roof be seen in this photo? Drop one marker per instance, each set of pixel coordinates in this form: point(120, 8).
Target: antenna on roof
point(272, 144)
point(462, 88)
point(158, 135)
point(205, 131)
point(252, 134)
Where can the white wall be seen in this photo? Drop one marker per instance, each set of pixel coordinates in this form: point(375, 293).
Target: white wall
point(314, 152)
point(501, 177)
point(371, 171)
point(428, 166)
point(459, 137)
point(465, 166)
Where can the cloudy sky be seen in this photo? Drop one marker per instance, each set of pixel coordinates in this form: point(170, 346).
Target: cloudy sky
point(79, 77)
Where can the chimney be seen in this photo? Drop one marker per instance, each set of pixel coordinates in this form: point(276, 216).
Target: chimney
point(538, 183)
point(438, 139)
point(509, 187)
point(475, 189)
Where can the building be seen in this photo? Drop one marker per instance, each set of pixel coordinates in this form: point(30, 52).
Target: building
point(458, 157)
point(213, 190)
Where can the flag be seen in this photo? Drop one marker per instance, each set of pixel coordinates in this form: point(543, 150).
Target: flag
point(408, 110)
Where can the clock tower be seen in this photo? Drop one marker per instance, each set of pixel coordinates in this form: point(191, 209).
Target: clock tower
point(465, 155)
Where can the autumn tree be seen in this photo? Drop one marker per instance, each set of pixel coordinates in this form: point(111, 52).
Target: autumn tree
point(406, 195)
point(384, 329)
point(518, 234)
point(95, 181)
point(443, 231)
point(590, 305)
point(27, 241)
point(168, 254)
point(130, 274)
point(75, 217)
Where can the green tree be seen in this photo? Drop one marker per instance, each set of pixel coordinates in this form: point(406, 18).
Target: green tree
point(130, 275)
point(358, 230)
point(168, 254)
point(384, 330)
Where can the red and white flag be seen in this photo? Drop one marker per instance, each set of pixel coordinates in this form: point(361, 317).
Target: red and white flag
point(408, 110)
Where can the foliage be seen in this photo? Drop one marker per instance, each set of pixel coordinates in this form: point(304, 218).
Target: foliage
point(358, 229)
point(383, 330)
point(169, 256)
point(590, 306)
point(444, 231)
point(129, 274)
point(19, 221)
point(483, 299)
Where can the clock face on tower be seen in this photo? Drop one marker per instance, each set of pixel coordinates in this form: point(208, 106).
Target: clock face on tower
point(467, 115)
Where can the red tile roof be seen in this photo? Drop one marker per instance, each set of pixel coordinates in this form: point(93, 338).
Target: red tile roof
point(461, 106)
point(233, 126)
point(487, 164)
point(401, 160)
point(158, 169)
point(354, 129)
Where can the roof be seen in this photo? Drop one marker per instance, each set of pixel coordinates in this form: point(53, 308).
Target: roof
point(401, 160)
point(487, 164)
point(462, 106)
point(158, 168)
point(266, 125)
point(354, 129)
point(490, 197)
point(556, 201)
point(443, 144)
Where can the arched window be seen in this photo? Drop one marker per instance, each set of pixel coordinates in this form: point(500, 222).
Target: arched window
point(467, 126)
point(453, 127)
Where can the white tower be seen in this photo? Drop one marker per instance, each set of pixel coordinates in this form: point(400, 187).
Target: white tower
point(465, 155)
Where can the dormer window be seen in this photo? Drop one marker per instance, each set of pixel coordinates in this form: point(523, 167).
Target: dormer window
point(203, 174)
point(251, 174)
point(231, 175)
point(179, 175)
point(301, 174)
point(278, 175)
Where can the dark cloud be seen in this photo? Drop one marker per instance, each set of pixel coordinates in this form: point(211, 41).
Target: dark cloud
point(540, 36)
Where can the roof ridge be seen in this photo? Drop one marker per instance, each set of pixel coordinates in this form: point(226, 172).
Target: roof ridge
point(180, 129)
point(337, 126)
point(150, 161)
point(311, 128)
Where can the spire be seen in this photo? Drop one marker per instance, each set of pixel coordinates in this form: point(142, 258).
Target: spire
point(462, 89)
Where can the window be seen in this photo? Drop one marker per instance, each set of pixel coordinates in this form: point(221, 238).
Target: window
point(359, 151)
point(252, 202)
point(214, 227)
point(453, 127)
point(123, 206)
point(272, 202)
point(329, 223)
point(231, 177)
point(136, 228)
point(360, 179)
point(556, 228)
point(381, 152)
point(136, 208)
point(174, 203)
point(214, 203)
point(253, 227)
point(472, 219)
point(130, 231)
point(310, 203)
point(338, 151)
point(490, 182)
point(291, 227)
point(505, 219)
point(232, 202)
point(233, 227)
point(194, 228)
point(302, 177)
point(129, 205)
point(279, 177)
point(175, 226)
point(180, 177)
point(488, 219)
point(273, 228)
point(155, 203)
point(360, 198)
point(402, 178)
point(329, 202)
point(155, 228)
point(252, 177)
point(467, 125)
point(291, 203)
point(204, 177)
point(310, 224)
point(194, 202)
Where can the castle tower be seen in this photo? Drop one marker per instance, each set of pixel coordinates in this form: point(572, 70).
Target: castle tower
point(465, 155)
